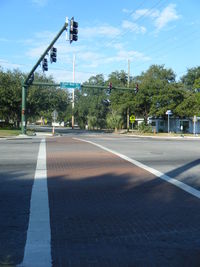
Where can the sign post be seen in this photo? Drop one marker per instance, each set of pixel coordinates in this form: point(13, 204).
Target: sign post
point(168, 112)
point(194, 124)
point(54, 115)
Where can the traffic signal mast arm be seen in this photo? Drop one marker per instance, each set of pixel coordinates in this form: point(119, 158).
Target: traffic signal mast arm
point(105, 87)
point(45, 52)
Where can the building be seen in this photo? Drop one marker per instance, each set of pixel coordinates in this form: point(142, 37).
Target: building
point(176, 125)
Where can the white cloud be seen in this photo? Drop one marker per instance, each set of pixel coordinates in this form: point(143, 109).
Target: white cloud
point(133, 27)
point(167, 15)
point(151, 13)
point(159, 18)
point(36, 52)
point(127, 11)
point(9, 65)
point(67, 76)
point(133, 55)
point(104, 30)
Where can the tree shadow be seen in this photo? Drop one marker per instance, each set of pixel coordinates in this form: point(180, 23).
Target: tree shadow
point(122, 220)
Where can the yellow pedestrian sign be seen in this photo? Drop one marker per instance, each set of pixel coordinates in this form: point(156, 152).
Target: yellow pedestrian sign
point(132, 118)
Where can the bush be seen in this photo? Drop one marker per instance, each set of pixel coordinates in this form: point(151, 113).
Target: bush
point(144, 128)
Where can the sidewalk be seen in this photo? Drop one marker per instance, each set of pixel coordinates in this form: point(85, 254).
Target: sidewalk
point(162, 136)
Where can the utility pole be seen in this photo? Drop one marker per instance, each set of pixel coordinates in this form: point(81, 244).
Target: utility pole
point(74, 58)
point(127, 115)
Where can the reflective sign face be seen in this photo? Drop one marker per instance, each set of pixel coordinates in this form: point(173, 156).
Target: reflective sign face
point(69, 85)
point(132, 118)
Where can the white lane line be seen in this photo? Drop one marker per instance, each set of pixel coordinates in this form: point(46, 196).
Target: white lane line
point(38, 244)
point(159, 174)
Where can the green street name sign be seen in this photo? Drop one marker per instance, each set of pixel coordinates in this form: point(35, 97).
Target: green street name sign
point(68, 85)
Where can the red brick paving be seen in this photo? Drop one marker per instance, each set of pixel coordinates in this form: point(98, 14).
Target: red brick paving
point(107, 212)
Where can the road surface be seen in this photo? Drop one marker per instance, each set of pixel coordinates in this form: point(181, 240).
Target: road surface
point(85, 200)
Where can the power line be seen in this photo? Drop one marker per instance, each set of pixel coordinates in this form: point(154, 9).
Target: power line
point(149, 11)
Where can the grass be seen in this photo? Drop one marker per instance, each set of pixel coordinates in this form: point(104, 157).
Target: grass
point(9, 132)
point(6, 132)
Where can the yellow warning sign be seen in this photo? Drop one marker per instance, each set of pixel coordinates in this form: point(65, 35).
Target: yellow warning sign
point(132, 118)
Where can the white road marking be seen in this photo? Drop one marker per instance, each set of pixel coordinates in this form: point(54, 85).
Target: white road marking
point(38, 244)
point(159, 174)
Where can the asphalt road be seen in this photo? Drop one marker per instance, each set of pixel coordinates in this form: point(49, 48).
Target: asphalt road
point(103, 210)
point(179, 159)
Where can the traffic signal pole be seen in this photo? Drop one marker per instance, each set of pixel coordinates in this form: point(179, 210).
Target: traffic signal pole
point(26, 83)
point(23, 126)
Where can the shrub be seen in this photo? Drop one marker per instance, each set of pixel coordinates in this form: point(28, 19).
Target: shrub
point(144, 128)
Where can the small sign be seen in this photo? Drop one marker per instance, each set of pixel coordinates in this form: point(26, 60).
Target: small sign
point(195, 118)
point(68, 85)
point(54, 114)
point(169, 112)
point(132, 118)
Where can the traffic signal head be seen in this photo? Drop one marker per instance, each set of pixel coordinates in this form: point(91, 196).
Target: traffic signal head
point(31, 79)
point(73, 30)
point(53, 54)
point(44, 64)
point(137, 88)
point(110, 87)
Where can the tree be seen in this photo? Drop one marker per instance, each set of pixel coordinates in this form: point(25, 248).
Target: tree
point(114, 120)
point(154, 85)
point(91, 103)
point(42, 101)
point(189, 106)
point(189, 78)
point(168, 98)
point(10, 96)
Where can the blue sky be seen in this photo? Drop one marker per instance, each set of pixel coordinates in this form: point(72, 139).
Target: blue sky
point(110, 32)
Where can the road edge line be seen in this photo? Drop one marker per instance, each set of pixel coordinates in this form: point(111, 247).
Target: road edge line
point(177, 183)
point(38, 243)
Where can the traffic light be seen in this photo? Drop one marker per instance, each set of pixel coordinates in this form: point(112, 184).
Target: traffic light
point(110, 87)
point(73, 30)
point(137, 88)
point(53, 54)
point(44, 64)
point(31, 79)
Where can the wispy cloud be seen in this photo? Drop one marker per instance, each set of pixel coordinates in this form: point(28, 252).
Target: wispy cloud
point(127, 11)
point(107, 31)
point(133, 27)
point(160, 18)
point(167, 15)
point(151, 13)
point(9, 65)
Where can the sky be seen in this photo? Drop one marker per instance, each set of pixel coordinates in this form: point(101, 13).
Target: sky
point(145, 32)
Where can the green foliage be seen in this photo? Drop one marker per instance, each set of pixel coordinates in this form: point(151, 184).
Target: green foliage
point(154, 87)
point(189, 78)
point(114, 120)
point(41, 101)
point(10, 96)
point(144, 128)
point(91, 105)
point(100, 108)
